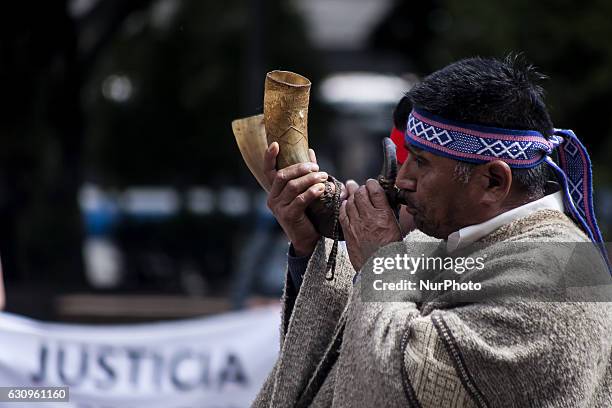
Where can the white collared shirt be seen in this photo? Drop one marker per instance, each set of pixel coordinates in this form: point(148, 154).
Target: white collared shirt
point(467, 235)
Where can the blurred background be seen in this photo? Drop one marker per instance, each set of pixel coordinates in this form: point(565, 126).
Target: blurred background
point(123, 196)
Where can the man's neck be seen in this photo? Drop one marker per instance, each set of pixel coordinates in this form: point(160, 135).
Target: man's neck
point(471, 233)
point(514, 201)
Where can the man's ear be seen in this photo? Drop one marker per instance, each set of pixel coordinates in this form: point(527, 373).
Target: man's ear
point(494, 179)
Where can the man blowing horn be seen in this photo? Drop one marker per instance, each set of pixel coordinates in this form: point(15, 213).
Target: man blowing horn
point(479, 177)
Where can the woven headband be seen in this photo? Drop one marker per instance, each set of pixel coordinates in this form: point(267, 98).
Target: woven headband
point(519, 149)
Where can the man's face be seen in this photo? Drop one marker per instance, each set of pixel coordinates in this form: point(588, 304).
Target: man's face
point(438, 201)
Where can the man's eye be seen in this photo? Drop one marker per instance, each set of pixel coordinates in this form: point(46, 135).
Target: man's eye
point(418, 160)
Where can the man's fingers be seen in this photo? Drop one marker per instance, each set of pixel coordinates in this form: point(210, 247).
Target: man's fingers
point(297, 186)
point(351, 187)
point(343, 218)
point(351, 209)
point(362, 199)
point(270, 161)
point(288, 174)
point(312, 155)
point(299, 204)
point(343, 192)
point(376, 194)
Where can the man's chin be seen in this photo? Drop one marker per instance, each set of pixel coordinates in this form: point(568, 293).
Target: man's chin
point(427, 229)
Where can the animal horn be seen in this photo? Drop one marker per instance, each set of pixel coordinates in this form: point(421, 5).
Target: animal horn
point(250, 135)
point(286, 99)
point(285, 121)
point(389, 169)
point(388, 174)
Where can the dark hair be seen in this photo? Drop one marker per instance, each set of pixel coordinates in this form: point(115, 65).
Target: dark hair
point(491, 92)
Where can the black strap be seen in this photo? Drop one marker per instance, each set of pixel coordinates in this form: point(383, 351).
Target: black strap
point(331, 261)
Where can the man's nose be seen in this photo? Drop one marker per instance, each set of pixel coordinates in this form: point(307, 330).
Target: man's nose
point(406, 179)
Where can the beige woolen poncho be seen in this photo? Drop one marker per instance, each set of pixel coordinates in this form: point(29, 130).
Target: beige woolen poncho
point(338, 350)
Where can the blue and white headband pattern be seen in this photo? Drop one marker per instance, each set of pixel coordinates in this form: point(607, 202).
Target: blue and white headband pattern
point(519, 149)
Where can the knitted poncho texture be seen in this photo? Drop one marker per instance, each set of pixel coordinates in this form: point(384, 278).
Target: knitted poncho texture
point(340, 350)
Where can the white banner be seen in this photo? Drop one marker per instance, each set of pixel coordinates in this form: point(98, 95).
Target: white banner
point(216, 362)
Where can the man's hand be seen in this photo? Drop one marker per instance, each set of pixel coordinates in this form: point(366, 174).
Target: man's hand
point(368, 222)
point(293, 189)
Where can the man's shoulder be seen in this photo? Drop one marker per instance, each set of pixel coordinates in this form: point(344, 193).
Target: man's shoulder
point(541, 226)
point(547, 250)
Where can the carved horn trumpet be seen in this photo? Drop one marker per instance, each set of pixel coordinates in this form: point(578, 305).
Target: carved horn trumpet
point(286, 98)
point(285, 120)
point(250, 135)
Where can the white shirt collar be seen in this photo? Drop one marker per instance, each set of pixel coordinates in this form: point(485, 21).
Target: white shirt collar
point(467, 235)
